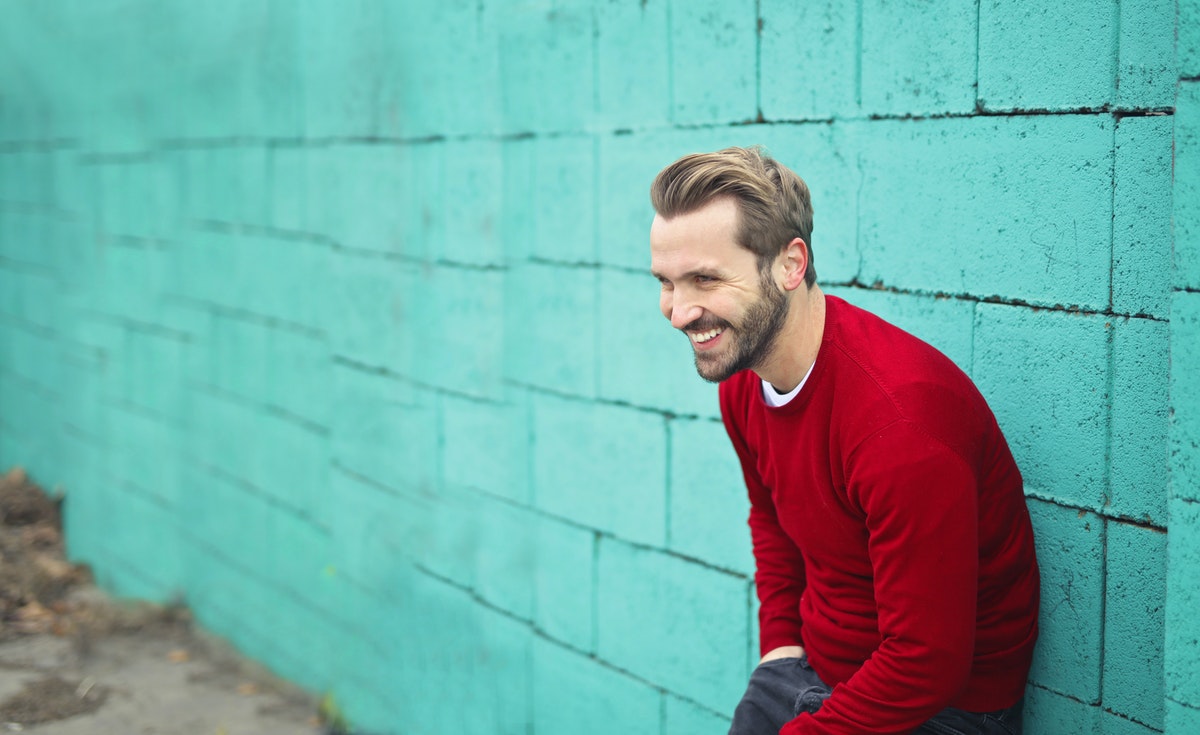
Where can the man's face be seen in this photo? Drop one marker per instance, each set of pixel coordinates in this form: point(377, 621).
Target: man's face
point(713, 290)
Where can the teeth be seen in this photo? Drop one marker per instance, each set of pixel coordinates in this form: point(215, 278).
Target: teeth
point(702, 337)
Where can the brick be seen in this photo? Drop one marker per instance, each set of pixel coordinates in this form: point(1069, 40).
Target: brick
point(1184, 429)
point(1181, 657)
point(1187, 38)
point(473, 202)
point(1139, 408)
point(1111, 724)
point(564, 569)
point(675, 623)
point(1045, 376)
point(1141, 278)
point(375, 311)
point(947, 324)
point(546, 66)
point(554, 310)
point(633, 63)
point(810, 63)
point(1045, 55)
point(575, 475)
point(653, 365)
point(918, 58)
point(816, 153)
point(1070, 548)
point(562, 199)
point(934, 185)
point(713, 51)
point(384, 429)
point(708, 504)
point(486, 446)
point(685, 718)
point(1186, 197)
point(1146, 70)
point(452, 88)
point(574, 693)
point(1135, 600)
point(1049, 713)
point(1181, 718)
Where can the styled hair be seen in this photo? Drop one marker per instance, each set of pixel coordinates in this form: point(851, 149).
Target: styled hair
point(773, 203)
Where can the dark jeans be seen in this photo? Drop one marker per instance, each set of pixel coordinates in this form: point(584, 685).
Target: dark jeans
point(781, 689)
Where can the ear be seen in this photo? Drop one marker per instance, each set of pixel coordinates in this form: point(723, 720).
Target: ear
point(794, 258)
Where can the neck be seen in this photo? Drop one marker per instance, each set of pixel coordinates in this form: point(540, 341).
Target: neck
point(797, 345)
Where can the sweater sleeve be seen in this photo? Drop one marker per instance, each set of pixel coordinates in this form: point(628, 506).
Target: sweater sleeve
point(779, 567)
point(920, 502)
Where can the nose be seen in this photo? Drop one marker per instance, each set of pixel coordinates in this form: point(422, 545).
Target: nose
point(680, 308)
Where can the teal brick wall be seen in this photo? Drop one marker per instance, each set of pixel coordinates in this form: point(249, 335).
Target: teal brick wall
point(334, 321)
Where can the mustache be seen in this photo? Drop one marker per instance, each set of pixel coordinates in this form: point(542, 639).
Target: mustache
point(704, 324)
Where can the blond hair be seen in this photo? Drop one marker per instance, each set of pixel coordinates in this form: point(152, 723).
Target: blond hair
point(773, 202)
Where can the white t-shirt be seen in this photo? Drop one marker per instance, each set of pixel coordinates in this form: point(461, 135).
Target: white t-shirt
point(777, 399)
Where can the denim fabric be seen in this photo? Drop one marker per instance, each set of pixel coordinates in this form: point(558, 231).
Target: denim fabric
point(781, 689)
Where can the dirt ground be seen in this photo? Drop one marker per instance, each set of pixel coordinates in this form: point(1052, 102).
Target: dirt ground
point(74, 661)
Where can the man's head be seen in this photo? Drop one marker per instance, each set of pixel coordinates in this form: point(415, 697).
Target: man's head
point(727, 247)
point(773, 203)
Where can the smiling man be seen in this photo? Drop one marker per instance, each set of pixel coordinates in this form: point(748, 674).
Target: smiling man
point(895, 565)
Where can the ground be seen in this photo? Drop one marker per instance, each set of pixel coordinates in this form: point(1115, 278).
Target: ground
point(74, 661)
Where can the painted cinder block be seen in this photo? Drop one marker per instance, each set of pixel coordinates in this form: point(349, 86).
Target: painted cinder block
point(1070, 548)
point(1186, 199)
point(947, 324)
point(564, 588)
point(1146, 71)
point(1181, 718)
point(633, 63)
point(1045, 55)
point(810, 65)
point(1134, 607)
point(1113, 724)
point(713, 51)
point(1181, 656)
point(546, 66)
point(461, 313)
point(1141, 277)
point(1139, 410)
point(562, 199)
point(708, 508)
point(1050, 713)
point(936, 187)
point(601, 466)
point(1184, 429)
point(485, 446)
point(654, 365)
point(505, 558)
point(918, 58)
point(1045, 376)
point(1187, 41)
point(376, 311)
point(473, 203)
point(673, 622)
point(577, 693)
point(553, 309)
point(385, 429)
point(364, 194)
point(684, 718)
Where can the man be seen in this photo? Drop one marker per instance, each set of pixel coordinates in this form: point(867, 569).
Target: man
point(894, 554)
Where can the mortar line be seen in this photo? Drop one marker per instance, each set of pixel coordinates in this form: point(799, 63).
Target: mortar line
point(1103, 609)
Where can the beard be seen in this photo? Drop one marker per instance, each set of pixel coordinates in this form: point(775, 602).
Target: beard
point(753, 336)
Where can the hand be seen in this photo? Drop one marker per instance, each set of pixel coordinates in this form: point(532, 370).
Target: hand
point(782, 652)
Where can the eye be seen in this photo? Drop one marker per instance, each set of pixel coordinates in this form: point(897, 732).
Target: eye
point(704, 279)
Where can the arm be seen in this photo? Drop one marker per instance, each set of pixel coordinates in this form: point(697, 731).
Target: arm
point(779, 567)
point(919, 499)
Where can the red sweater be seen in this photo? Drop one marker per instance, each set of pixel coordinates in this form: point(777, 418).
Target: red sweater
point(890, 531)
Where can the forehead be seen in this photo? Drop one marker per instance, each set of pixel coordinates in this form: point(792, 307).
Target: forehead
point(703, 239)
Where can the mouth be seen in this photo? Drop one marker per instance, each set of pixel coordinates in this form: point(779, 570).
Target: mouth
point(702, 338)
